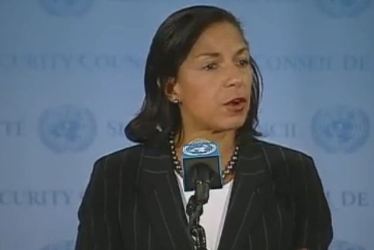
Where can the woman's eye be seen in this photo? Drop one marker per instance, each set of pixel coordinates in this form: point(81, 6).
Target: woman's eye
point(243, 62)
point(210, 66)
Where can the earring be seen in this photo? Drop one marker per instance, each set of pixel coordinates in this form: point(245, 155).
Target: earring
point(175, 100)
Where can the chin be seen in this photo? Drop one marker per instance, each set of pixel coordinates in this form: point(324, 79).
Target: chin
point(231, 124)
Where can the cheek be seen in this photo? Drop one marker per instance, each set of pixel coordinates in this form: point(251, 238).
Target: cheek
point(202, 99)
point(250, 84)
point(198, 89)
point(202, 102)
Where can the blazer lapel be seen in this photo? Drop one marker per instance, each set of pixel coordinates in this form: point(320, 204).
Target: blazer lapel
point(162, 200)
point(246, 201)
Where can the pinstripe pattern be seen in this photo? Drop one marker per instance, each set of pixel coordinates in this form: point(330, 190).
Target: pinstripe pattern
point(250, 244)
point(134, 226)
point(132, 202)
point(286, 164)
point(279, 213)
point(164, 220)
point(267, 160)
point(135, 207)
point(306, 222)
point(266, 240)
point(242, 224)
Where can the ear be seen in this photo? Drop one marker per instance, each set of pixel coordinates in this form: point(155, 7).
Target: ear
point(172, 90)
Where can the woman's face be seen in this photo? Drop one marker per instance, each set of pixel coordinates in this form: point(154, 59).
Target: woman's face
point(213, 84)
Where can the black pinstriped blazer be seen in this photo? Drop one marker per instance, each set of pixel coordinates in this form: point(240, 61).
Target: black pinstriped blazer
point(133, 202)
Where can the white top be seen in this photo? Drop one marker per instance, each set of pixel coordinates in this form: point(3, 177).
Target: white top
point(214, 213)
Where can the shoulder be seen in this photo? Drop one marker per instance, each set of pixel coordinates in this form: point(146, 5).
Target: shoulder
point(296, 181)
point(121, 155)
point(278, 152)
point(290, 166)
point(285, 163)
point(112, 163)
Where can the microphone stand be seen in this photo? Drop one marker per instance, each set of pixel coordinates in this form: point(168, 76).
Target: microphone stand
point(195, 204)
point(194, 212)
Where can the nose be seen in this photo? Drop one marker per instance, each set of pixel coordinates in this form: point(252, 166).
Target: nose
point(234, 76)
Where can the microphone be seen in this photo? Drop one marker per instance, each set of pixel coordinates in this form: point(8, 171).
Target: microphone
point(201, 172)
point(201, 165)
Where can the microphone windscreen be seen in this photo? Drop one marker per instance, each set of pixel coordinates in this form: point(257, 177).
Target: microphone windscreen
point(200, 153)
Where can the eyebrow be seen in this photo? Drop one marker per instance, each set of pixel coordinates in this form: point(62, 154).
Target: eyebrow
point(216, 54)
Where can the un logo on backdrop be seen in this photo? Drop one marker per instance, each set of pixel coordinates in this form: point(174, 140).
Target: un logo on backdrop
point(343, 8)
point(344, 245)
point(67, 128)
point(66, 7)
point(340, 129)
point(63, 245)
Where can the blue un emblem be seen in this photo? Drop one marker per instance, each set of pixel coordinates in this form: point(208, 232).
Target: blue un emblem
point(66, 7)
point(199, 148)
point(340, 129)
point(344, 245)
point(343, 8)
point(67, 128)
point(63, 245)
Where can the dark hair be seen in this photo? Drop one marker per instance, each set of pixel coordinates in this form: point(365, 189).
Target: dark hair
point(170, 46)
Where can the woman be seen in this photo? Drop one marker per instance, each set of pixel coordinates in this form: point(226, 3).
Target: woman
point(201, 82)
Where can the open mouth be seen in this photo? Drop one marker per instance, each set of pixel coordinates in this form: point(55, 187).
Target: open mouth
point(236, 101)
point(236, 104)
